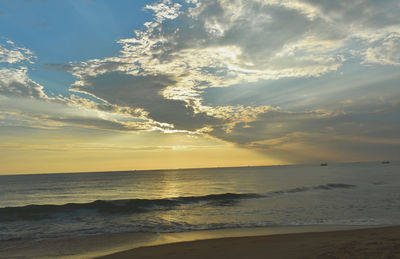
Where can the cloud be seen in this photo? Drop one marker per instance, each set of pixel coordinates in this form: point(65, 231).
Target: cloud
point(50, 114)
point(361, 13)
point(222, 43)
point(342, 135)
point(387, 52)
point(91, 147)
point(200, 45)
point(11, 54)
point(164, 10)
point(160, 76)
point(188, 47)
point(26, 104)
point(145, 92)
point(15, 82)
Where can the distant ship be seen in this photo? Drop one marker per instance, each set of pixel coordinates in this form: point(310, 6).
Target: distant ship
point(324, 164)
point(385, 162)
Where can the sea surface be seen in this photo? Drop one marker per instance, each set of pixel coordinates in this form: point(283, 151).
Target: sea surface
point(48, 206)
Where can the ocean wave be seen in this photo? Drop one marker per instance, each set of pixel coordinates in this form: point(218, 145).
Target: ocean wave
point(37, 212)
point(329, 186)
point(131, 206)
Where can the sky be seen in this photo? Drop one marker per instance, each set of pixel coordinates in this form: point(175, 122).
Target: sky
point(100, 85)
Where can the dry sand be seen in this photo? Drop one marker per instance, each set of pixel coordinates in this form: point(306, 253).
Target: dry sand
point(359, 243)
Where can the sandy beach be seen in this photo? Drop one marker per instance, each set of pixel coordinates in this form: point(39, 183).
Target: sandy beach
point(359, 243)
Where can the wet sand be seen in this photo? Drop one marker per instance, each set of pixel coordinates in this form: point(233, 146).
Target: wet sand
point(359, 243)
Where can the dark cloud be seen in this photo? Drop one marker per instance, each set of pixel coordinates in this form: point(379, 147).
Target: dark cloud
point(145, 92)
point(222, 43)
point(371, 13)
point(343, 136)
point(15, 83)
point(317, 148)
point(22, 89)
point(272, 125)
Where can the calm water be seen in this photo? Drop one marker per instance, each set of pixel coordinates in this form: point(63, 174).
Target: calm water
point(58, 205)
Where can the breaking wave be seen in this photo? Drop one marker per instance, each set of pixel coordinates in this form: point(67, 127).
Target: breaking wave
point(36, 212)
point(329, 186)
point(131, 206)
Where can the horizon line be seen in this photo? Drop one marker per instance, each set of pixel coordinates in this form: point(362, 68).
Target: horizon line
point(192, 168)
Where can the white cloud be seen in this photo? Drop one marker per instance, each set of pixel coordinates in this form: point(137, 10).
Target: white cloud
point(10, 53)
point(15, 82)
point(157, 80)
point(164, 69)
point(50, 114)
point(164, 10)
point(26, 103)
point(387, 52)
point(14, 79)
point(211, 44)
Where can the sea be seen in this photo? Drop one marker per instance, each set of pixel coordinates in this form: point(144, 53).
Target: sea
point(69, 205)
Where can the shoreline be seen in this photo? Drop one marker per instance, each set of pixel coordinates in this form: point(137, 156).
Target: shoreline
point(133, 245)
point(358, 242)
